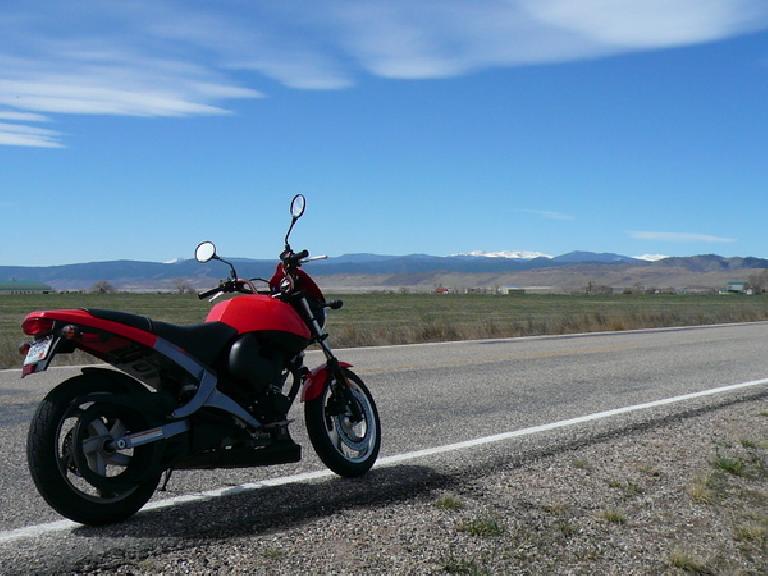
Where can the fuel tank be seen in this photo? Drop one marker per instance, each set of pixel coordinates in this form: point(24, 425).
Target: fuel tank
point(259, 313)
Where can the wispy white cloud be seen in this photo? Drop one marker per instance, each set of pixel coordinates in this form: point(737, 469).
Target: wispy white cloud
point(439, 38)
point(547, 214)
point(678, 237)
point(20, 135)
point(643, 24)
point(102, 63)
point(173, 58)
point(21, 116)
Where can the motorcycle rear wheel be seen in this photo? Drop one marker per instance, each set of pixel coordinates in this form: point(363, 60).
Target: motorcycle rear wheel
point(348, 448)
point(55, 465)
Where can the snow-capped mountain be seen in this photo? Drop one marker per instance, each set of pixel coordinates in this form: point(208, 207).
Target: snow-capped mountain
point(651, 257)
point(513, 254)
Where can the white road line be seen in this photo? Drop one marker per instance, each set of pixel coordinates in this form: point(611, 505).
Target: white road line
point(41, 529)
point(495, 340)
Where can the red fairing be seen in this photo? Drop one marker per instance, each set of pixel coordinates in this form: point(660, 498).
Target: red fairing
point(84, 318)
point(314, 384)
point(259, 313)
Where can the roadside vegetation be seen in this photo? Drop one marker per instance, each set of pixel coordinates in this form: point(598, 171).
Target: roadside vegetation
point(375, 319)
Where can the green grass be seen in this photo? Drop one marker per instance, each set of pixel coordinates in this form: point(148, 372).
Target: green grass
point(687, 563)
point(613, 516)
point(449, 502)
point(734, 466)
point(581, 464)
point(556, 508)
point(484, 527)
point(750, 533)
point(629, 487)
point(453, 565)
point(649, 470)
point(273, 553)
point(700, 490)
point(372, 319)
point(566, 528)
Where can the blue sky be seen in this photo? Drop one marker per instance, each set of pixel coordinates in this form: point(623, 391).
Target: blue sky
point(135, 129)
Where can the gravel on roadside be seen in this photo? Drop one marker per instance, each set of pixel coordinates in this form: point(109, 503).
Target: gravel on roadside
point(686, 495)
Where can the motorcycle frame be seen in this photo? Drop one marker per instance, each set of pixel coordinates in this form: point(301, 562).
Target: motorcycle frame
point(207, 394)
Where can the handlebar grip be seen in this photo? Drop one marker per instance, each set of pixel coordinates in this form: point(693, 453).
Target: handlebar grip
point(335, 304)
point(303, 254)
point(212, 291)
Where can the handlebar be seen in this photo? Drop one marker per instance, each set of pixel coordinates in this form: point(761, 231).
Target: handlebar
point(211, 292)
point(229, 286)
point(313, 259)
point(290, 258)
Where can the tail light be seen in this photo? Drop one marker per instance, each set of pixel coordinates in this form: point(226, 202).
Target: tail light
point(37, 326)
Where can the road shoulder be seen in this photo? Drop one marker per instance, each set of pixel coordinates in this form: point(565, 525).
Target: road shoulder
point(676, 495)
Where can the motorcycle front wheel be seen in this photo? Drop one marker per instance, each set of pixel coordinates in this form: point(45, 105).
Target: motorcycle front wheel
point(68, 459)
point(347, 445)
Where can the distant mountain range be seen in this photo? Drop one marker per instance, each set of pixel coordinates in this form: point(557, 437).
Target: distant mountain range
point(362, 270)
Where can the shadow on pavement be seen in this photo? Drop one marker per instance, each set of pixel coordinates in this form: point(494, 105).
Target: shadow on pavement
point(275, 508)
point(268, 509)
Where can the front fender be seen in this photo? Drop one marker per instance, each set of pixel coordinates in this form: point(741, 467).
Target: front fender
point(315, 382)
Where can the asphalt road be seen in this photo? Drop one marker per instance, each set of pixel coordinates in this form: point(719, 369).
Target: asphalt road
point(428, 396)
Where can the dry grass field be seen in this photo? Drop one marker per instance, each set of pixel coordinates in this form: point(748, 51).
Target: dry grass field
point(372, 319)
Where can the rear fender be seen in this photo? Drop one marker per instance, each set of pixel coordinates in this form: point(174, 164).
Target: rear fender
point(316, 380)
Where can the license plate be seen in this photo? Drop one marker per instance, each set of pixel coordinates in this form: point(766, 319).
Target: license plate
point(39, 350)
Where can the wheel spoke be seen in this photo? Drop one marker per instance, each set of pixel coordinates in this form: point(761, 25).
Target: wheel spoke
point(119, 459)
point(92, 445)
point(117, 430)
point(96, 463)
point(338, 440)
point(101, 465)
point(98, 427)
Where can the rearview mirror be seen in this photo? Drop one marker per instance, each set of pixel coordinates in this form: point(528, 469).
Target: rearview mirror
point(205, 251)
point(297, 206)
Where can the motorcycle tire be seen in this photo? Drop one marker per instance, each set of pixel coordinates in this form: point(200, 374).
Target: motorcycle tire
point(348, 448)
point(53, 466)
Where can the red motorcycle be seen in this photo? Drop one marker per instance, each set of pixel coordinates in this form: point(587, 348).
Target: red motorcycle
point(213, 395)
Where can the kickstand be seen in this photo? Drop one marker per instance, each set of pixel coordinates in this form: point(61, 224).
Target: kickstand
point(168, 473)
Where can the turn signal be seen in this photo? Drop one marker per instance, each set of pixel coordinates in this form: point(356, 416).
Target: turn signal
point(37, 326)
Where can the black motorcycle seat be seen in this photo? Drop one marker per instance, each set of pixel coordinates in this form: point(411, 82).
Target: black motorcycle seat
point(203, 341)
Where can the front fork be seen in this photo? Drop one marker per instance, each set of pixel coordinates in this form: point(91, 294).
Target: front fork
point(335, 370)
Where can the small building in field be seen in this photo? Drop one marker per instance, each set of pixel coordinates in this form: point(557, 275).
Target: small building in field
point(508, 290)
point(22, 287)
point(442, 290)
point(738, 287)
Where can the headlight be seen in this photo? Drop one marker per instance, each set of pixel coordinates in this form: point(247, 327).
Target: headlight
point(286, 284)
